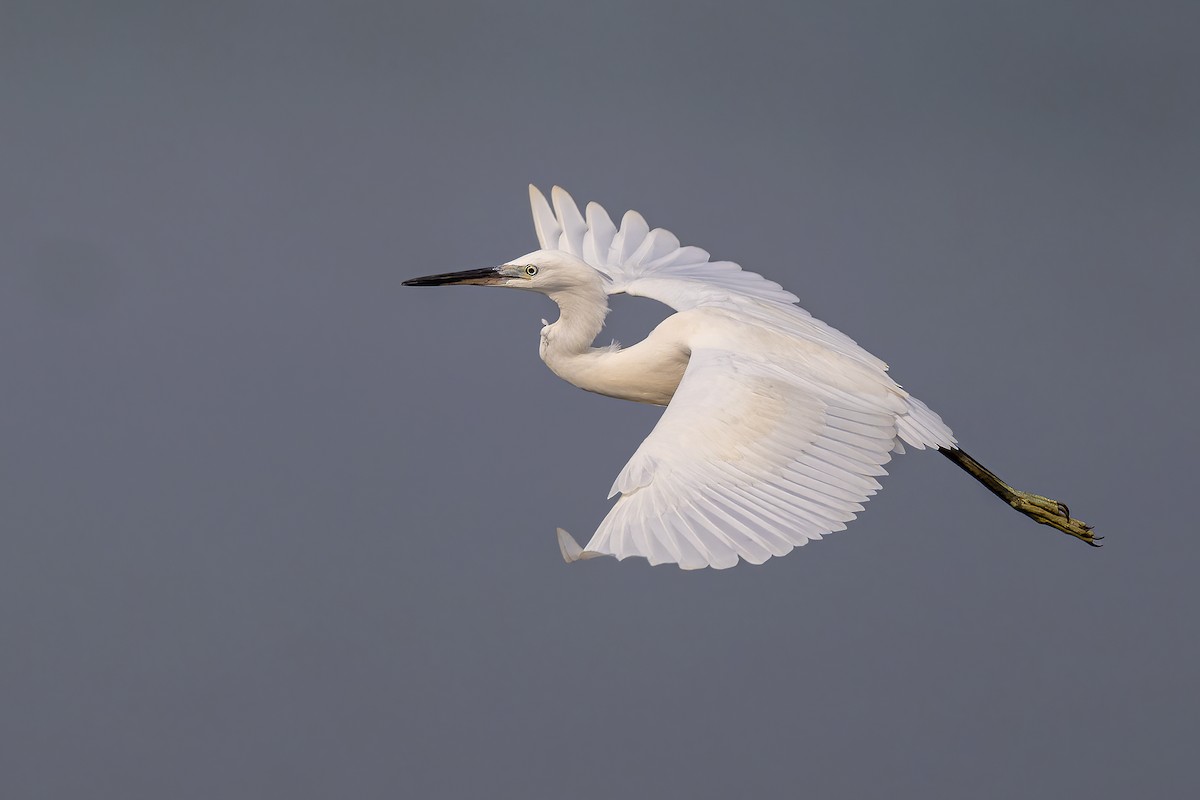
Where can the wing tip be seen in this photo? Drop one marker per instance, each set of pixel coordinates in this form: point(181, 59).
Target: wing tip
point(570, 549)
point(635, 220)
point(561, 196)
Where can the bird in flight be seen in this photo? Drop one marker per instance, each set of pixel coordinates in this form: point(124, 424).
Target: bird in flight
point(776, 425)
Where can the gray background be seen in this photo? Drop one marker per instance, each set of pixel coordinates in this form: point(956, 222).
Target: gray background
point(274, 526)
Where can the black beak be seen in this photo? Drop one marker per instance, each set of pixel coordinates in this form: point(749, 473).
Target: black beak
point(489, 276)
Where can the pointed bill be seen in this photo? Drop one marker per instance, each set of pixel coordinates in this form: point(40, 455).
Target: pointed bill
point(488, 276)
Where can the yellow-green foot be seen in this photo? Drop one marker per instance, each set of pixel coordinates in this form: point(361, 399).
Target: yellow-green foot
point(1053, 513)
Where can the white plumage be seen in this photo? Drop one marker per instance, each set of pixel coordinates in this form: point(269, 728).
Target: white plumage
point(777, 425)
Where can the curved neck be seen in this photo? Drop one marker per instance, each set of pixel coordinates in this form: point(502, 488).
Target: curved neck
point(581, 317)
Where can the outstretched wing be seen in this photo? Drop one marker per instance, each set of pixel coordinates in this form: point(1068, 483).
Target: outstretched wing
point(748, 461)
point(640, 261)
point(651, 263)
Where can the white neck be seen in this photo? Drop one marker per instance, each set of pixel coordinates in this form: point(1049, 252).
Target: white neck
point(582, 310)
point(647, 372)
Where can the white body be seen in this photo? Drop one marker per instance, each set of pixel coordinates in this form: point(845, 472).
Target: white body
point(776, 424)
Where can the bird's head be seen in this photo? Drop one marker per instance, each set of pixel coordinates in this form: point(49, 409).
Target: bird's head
point(545, 271)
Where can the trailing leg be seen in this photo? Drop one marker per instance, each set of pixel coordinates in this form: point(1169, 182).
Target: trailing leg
point(1038, 508)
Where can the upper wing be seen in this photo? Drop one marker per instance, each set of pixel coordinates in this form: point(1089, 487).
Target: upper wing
point(749, 460)
point(643, 262)
point(651, 263)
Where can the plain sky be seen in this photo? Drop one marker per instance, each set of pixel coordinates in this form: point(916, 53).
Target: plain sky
point(274, 526)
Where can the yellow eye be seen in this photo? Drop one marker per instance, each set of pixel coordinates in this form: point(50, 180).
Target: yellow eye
point(531, 270)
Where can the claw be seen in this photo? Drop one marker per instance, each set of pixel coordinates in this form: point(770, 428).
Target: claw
point(1062, 509)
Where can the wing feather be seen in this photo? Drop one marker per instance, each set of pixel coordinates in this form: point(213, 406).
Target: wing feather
point(628, 239)
point(747, 462)
point(570, 221)
point(545, 224)
point(635, 253)
point(599, 238)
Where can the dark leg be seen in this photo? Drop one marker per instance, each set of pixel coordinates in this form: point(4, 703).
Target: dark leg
point(1038, 508)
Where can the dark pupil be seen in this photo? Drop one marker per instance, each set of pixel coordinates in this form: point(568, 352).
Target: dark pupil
point(530, 270)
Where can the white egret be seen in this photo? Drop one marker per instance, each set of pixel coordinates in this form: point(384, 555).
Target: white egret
point(776, 426)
